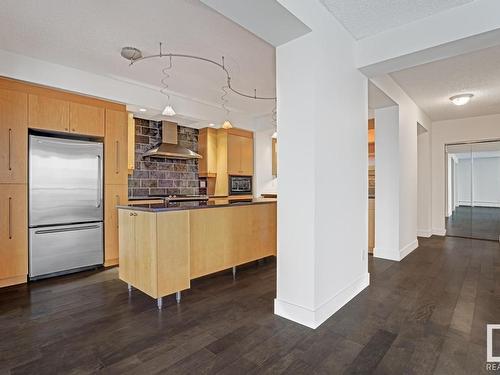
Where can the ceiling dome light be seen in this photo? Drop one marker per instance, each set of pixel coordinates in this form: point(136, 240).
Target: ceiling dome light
point(227, 125)
point(168, 111)
point(142, 109)
point(461, 99)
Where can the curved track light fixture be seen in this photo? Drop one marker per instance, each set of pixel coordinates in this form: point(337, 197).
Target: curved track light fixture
point(134, 55)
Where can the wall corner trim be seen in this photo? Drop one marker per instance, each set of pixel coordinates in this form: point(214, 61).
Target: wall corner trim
point(314, 318)
point(408, 249)
point(439, 231)
point(424, 233)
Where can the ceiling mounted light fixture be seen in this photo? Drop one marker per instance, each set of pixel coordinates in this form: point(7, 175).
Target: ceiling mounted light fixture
point(131, 53)
point(227, 125)
point(461, 99)
point(142, 109)
point(168, 111)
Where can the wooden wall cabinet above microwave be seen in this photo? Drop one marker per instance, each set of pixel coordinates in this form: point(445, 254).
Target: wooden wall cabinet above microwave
point(48, 113)
point(240, 153)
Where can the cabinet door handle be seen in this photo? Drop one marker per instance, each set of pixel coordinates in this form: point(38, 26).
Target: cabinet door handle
point(117, 147)
point(117, 203)
point(10, 218)
point(10, 148)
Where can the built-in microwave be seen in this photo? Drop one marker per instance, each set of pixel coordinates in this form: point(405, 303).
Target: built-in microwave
point(240, 185)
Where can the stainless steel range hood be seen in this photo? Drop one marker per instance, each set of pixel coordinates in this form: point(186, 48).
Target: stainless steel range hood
point(169, 148)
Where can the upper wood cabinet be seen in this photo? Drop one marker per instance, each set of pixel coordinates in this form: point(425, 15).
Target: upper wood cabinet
point(130, 143)
point(48, 113)
point(115, 148)
point(86, 119)
point(207, 148)
point(240, 153)
point(13, 234)
point(114, 195)
point(54, 114)
point(13, 136)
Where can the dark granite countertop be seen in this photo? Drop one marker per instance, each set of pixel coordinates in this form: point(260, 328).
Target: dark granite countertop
point(177, 206)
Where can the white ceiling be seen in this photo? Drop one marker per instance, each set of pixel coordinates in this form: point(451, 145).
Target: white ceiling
point(363, 18)
point(89, 35)
point(431, 85)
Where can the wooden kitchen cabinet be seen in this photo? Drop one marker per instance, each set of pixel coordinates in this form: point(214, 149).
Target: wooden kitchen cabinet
point(86, 119)
point(59, 115)
point(246, 157)
point(13, 136)
point(240, 153)
point(13, 234)
point(154, 251)
point(48, 113)
point(114, 195)
point(207, 148)
point(115, 148)
point(130, 143)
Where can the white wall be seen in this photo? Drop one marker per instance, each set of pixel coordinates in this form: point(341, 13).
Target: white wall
point(486, 182)
point(264, 181)
point(464, 181)
point(448, 132)
point(323, 182)
point(387, 183)
point(409, 116)
point(485, 175)
point(424, 207)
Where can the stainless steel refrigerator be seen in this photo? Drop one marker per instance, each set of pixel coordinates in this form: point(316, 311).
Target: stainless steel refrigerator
point(65, 205)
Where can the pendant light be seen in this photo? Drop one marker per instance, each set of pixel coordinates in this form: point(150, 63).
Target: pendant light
point(168, 111)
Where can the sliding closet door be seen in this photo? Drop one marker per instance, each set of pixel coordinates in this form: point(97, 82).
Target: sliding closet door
point(485, 211)
point(459, 166)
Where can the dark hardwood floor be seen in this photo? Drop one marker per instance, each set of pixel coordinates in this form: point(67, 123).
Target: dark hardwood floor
point(424, 315)
point(474, 222)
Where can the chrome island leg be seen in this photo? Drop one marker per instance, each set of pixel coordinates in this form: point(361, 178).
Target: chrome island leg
point(159, 302)
point(129, 287)
point(178, 297)
point(234, 272)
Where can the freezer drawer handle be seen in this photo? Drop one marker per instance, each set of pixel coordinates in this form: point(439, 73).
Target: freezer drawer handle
point(47, 231)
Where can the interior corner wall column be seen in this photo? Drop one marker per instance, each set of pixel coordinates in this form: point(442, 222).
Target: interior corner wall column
point(323, 200)
point(387, 183)
point(424, 176)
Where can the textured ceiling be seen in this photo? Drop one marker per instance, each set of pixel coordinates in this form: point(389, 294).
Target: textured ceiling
point(431, 85)
point(89, 35)
point(363, 18)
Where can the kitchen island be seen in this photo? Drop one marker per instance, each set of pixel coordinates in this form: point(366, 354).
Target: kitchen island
point(164, 246)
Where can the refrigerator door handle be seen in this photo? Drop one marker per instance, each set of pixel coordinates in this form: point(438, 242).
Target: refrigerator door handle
point(99, 182)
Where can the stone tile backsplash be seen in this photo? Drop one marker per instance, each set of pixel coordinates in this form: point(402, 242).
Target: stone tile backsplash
point(159, 176)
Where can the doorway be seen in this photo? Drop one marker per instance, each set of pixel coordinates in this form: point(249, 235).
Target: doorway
point(473, 190)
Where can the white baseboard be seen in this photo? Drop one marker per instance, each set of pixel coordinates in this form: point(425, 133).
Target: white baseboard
point(386, 254)
point(439, 231)
point(406, 250)
point(424, 233)
point(314, 318)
